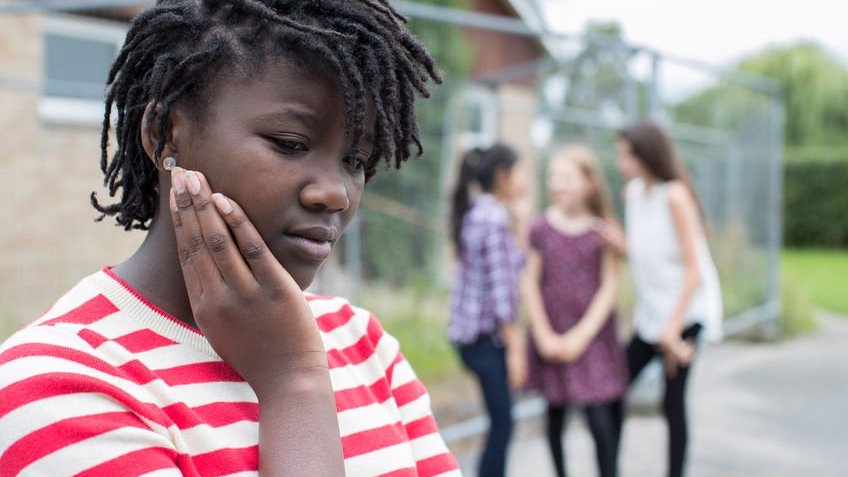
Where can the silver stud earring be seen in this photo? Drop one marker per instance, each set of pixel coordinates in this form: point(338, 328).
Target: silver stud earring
point(169, 163)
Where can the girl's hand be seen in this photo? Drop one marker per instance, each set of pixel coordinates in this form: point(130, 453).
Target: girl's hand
point(572, 345)
point(249, 308)
point(684, 352)
point(680, 356)
point(548, 346)
point(612, 235)
point(676, 355)
point(670, 337)
point(516, 366)
point(256, 318)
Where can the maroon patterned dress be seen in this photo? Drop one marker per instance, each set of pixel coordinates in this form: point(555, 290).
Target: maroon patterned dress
point(571, 275)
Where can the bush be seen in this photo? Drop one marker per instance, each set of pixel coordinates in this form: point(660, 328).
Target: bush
point(816, 203)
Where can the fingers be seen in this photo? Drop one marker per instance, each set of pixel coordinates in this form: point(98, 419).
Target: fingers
point(192, 280)
point(252, 247)
point(685, 352)
point(219, 244)
point(190, 243)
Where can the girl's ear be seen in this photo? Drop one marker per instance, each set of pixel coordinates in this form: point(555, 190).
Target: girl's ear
point(150, 134)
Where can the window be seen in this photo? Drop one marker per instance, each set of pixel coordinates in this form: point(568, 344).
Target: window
point(78, 53)
point(479, 115)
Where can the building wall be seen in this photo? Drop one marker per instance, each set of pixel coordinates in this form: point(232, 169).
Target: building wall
point(495, 50)
point(48, 238)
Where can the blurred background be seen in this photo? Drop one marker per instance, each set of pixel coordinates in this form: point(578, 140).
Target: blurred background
point(754, 94)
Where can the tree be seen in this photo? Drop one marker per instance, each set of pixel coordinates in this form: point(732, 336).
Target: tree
point(402, 250)
point(813, 84)
point(598, 74)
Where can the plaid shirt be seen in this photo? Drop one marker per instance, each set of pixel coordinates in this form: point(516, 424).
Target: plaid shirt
point(486, 289)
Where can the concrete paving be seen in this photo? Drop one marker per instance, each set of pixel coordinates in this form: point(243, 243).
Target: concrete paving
point(757, 410)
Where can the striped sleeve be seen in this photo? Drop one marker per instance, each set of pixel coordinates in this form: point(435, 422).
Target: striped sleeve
point(63, 411)
point(431, 454)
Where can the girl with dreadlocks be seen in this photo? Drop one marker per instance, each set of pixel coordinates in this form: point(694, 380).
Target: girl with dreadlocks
point(245, 132)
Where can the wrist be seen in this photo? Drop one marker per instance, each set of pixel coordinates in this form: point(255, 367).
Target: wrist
point(582, 333)
point(300, 383)
point(674, 328)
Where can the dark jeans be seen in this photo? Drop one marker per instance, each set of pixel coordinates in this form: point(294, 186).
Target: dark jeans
point(639, 354)
point(487, 360)
point(604, 424)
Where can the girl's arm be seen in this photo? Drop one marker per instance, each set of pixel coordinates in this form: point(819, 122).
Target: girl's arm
point(612, 232)
point(540, 328)
point(684, 214)
point(501, 279)
point(577, 339)
point(515, 354)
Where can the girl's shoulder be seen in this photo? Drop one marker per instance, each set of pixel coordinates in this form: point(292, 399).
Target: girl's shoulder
point(539, 223)
point(485, 209)
point(633, 188)
point(677, 190)
point(679, 196)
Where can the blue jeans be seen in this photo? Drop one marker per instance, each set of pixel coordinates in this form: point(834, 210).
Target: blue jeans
point(487, 360)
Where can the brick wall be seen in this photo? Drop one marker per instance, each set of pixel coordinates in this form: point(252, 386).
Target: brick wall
point(48, 239)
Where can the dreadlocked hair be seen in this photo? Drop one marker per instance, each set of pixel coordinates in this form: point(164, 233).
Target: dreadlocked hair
point(174, 50)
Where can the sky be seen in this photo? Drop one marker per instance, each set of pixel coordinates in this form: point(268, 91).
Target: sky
point(716, 31)
point(719, 32)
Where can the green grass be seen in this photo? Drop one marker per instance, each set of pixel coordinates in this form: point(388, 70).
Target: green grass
point(796, 315)
point(417, 317)
point(820, 275)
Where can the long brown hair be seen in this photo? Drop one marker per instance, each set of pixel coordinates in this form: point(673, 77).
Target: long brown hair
point(654, 150)
point(586, 161)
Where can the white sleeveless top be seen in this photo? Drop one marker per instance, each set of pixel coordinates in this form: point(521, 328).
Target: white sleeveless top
point(656, 264)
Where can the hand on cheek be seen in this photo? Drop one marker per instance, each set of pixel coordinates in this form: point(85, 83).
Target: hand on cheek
point(247, 305)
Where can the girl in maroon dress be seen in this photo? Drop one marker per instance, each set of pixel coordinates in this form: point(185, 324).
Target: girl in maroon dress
point(570, 286)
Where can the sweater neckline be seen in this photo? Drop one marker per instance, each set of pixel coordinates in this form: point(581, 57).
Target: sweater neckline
point(139, 308)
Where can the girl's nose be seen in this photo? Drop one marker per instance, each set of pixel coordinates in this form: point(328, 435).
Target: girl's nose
point(327, 193)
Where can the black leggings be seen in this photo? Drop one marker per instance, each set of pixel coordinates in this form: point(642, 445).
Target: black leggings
point(639, 354)
point(604, 423)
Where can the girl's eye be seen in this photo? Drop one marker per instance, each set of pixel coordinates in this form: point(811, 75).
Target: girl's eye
point(288, 146)
point(356, 161)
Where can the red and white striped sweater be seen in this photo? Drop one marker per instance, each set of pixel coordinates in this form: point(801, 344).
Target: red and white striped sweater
point(107, 384)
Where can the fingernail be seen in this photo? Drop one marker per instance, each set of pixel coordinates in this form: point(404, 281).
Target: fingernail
point(178, 180)
point(222, 203)
point(193, 182)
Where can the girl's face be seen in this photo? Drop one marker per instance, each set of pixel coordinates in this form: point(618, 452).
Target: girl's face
point(568, 186)
point(275, 144)
point(628, 164)
point(512, 183)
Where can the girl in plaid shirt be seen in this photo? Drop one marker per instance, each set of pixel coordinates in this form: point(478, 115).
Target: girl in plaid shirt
point(485, 297)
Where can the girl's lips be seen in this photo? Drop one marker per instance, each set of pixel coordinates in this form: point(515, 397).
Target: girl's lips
point(310, 248)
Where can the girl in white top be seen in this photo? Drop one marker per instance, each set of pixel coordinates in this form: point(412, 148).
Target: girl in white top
point(677, 289)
